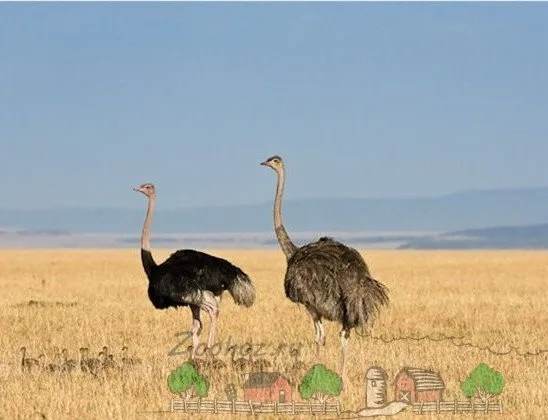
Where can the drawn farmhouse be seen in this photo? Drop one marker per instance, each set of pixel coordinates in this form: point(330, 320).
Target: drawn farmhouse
point(415, 385)
point(267, 387)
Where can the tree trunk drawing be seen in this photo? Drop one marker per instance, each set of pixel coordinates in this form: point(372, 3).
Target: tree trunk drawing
point(188, 394)
point(483, 396)
point(321, 397)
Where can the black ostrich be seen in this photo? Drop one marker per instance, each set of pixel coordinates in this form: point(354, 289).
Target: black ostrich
point(330, 279)
point(191, 278)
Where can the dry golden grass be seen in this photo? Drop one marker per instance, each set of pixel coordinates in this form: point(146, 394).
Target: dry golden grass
point(495, 299)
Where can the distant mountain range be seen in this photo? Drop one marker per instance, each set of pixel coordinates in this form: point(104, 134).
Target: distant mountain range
point(507, 237)
point(474, 219)
point(453, 212)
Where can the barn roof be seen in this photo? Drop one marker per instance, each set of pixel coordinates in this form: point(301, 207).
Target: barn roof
point(425, 380)
point(261, 379)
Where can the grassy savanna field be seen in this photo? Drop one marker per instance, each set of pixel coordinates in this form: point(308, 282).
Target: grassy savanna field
point(495, 299)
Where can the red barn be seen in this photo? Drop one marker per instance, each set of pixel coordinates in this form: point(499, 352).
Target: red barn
point(267, 387)
point(418, 385)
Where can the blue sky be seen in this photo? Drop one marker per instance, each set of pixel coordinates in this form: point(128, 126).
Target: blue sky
point(361, 100)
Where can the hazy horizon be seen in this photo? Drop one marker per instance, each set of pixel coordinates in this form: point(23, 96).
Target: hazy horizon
point(270, 201)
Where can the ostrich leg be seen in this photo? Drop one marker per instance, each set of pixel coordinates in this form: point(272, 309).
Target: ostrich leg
point(345, 333)
point(210, 305)
point(318, 327)
point(196, 328)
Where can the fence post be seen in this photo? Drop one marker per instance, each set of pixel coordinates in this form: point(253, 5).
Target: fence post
point(420, 408)
point(233, 406)
point(473, 408)
point(310, 407)
point(184, 404)
point(275, 407)
point(338, 408)
point(455, 411)
point(487, 406)
point(324, 406)
point(500, 406)
point(438, 406)
point(172, 409)
point(251, 407)
point(215, 405)
point(199, 403)
point(293, 407)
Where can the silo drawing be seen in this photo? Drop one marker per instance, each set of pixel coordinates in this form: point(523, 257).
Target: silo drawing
point(375, 387)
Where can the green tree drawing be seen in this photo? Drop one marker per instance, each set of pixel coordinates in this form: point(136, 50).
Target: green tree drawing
point(483, 382)
point(187, 382)
point(320, 383)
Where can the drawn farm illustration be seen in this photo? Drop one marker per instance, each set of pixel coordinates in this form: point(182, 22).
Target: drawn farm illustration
point(418, 385)
point(263, 392)
point(417, 389)
point(267, 387)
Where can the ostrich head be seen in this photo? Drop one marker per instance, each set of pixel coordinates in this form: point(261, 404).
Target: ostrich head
point(146, 189)
point(275, 162)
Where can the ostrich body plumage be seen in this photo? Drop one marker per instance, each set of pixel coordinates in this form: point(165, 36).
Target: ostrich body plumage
point(185, 277)
point(333, 280)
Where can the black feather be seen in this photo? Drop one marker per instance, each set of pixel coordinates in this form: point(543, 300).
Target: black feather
point(182, 279)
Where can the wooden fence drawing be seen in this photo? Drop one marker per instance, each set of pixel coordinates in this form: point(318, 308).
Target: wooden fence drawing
point(295, 408)
point(468, 406)
point(249, 407)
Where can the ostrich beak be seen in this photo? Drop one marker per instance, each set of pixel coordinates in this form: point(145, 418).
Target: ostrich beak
point(265, 163)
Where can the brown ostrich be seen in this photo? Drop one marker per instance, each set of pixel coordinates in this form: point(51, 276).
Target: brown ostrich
point(89, 364)
point(27, 363)
point(67, 365)
point(259, 365)
point(129, 361)
point(240, 364)
point(209, 363)
point(330, 279)
point(297, 365)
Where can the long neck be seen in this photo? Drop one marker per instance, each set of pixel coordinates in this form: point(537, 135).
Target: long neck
point(288, 248)
point(146, 256)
